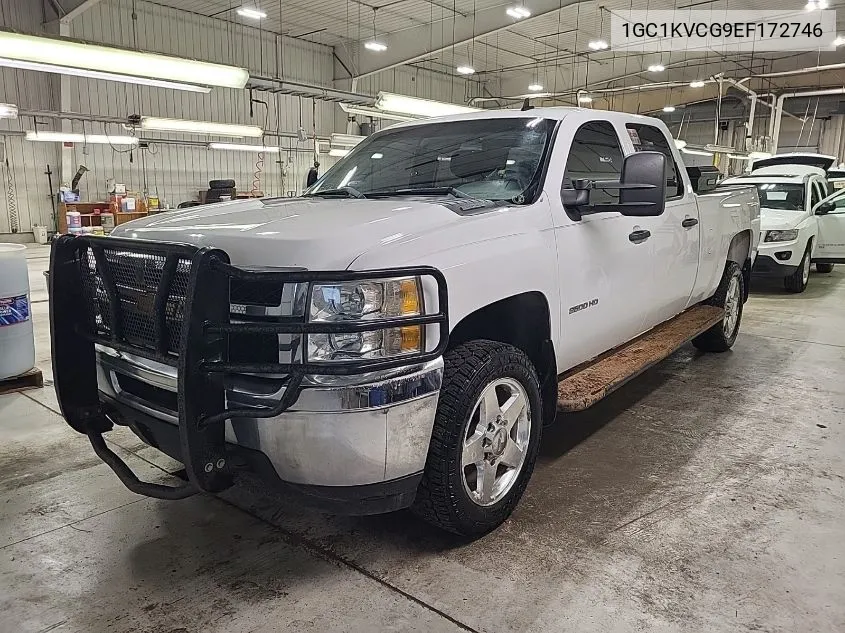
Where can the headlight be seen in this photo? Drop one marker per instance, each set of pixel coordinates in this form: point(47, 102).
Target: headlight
point(781, 236)
point(363, 301)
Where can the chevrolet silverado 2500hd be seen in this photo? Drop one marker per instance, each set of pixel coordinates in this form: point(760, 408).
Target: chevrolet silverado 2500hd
point(399, 335)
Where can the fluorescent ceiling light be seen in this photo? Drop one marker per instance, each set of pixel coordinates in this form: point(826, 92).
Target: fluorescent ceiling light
point(377, 156)
point(697, 83)
point(414, 106)
point(656, 68)
point(199, 127)
point(598, 45)
point(668, 108)
point(8, 111)
point(375, 113)
point(535, 87)
point(585, 99)
point(252, 14)
point(80, 55)
point(96, 74)
point(236, 147)
point(465, 70)
point(378, 47)
point(345, 140)
point(518, 12)
point(759, 155)
point(739, 157)
point(696, 152)
point(94, 139)
point(680, 144)
point(337, 151)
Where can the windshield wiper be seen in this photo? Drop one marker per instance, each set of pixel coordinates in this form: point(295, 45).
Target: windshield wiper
point(348, 192)
point(419, 191)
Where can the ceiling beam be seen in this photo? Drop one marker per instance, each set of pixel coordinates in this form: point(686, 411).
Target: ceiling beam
point(80, 8)
point(419, 42)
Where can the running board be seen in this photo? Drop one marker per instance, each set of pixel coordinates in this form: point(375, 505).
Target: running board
point(587, 384)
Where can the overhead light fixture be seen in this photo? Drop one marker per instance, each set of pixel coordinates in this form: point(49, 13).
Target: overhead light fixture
point(96, 74)
point(345, 140)
point(680, 144)
point(695, 152)
point(199, 127)
point(337, 151)
point(759, 155)
point(18, 47)
point(465, 70)
point(698, 83)
point(378, 47)
point(668, 108)
point(585, 99)
point(93, 139)
point(377, 156)
point(839, 41)
point(656, 68)
point(535, 87)
point(236, 147)
point(375, 113)
point(598, 45)
point(252, 14)
point(517, 13)
point(402, 104)
point(739, 157)
point(8, 111)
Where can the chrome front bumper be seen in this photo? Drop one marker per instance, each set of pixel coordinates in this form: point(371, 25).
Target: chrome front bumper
point(342, 431)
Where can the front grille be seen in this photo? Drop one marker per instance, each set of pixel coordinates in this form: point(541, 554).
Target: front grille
point(136, 277)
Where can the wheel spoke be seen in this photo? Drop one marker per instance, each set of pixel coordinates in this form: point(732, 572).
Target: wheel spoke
point(513, 408)
point(488, 408)
point(513, 455)
point(485, 479)
point(473, 449)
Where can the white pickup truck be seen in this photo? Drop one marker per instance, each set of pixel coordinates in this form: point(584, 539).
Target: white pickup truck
point(400, 335)
point(799, 220)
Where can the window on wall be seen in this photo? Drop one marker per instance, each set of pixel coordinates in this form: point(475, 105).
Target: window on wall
point(647, 138)
point(595, 154)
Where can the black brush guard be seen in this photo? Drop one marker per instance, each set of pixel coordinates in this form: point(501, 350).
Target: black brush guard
point(170, 303)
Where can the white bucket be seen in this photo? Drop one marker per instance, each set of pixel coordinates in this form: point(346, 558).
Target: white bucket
point(40, 234)
point(17, 343)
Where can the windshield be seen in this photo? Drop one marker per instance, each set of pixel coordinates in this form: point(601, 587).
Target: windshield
point(488, 159)
point(785, 196)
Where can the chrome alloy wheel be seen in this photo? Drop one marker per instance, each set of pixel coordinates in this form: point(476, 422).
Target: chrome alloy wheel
point(732, 304)
point(496, 441)
point(805, 272)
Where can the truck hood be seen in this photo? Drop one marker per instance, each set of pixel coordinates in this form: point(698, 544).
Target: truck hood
point(313, 233)
point(779, 219)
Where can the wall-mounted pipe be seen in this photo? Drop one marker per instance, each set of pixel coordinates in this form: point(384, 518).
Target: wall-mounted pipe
point(774, 132)
point(801, 71)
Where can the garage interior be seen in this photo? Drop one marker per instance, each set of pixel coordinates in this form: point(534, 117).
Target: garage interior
point(706, 495)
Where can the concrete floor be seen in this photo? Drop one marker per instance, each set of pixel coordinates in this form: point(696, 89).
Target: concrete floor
point(707, 495)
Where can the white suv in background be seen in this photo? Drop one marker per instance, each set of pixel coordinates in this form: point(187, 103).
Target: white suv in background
point(796, 231)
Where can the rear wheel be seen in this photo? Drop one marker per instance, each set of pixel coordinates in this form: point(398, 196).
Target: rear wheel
point(797, 281)
point(485, 439)
point(729, 294)
point(824, 268)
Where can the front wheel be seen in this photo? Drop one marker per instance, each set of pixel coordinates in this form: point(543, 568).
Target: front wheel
point(729, 294)
point(823, 267)
point(797, 281)
point(485, 438)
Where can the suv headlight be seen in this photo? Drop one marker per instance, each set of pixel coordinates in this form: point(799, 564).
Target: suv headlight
point(364, 301)
point(782, 236)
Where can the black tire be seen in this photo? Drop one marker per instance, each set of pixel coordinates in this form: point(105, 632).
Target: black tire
point(442, 498)
point(221, 184)
point(824, 268)
point(797, 282)
point(716, 339)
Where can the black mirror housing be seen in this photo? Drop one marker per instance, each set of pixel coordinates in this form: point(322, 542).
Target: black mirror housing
point(825, 207)
point(643, 191)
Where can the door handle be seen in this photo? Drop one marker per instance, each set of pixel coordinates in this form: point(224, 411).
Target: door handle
point(640, 236)
point(688, 223)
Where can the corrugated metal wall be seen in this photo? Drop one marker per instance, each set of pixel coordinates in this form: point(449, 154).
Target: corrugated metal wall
point(174, 172)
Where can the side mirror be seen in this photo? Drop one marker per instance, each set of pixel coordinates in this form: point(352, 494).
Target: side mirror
point(825, 207)
point(643, 180)
point(642, 189)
